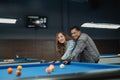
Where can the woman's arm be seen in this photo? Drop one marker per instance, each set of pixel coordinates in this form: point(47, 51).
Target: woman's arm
point(69, 47)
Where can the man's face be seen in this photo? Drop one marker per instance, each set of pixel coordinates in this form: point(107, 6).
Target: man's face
point(75, 33)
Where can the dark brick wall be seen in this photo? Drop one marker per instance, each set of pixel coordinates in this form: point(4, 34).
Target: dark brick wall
point(45, 49)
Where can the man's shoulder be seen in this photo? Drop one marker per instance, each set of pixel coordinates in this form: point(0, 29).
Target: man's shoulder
point(83, 36)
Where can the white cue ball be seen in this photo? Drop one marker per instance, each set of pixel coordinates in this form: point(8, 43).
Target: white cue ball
point(62, 65)
point(118, 54)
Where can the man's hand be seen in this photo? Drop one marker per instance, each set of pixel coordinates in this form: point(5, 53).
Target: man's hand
point(66, 61)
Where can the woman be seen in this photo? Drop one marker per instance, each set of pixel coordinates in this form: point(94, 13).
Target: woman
point(64, 45)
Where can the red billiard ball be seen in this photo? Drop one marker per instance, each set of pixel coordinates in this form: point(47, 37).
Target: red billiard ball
point(9, 70)
point(18, 73)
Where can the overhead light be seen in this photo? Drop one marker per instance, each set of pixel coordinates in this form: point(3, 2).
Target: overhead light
point(8, 21)
point(101, 25)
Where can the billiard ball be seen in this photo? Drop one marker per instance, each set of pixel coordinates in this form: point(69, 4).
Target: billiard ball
point(62, 65)
point(9, 70)
point(51, 68)
point(51, 65)
point(19, 68)
point(48, 70)
point(118, 54)
point(18, 73)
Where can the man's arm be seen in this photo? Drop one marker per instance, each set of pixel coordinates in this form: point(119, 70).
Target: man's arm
point(80, 46)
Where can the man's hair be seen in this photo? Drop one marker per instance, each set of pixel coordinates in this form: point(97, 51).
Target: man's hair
point(74, 27)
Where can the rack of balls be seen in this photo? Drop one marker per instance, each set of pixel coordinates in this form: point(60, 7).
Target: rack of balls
point(51, 68)
point(18, 71)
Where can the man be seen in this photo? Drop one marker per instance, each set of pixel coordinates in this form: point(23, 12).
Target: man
point(85, 49)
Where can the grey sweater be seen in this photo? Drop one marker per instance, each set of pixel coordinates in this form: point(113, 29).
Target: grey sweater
point(85, 50)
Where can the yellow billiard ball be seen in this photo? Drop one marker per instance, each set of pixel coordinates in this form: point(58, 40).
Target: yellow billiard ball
point(19, 68)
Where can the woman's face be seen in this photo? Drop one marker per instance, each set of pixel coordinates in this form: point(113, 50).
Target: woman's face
point(61, 38)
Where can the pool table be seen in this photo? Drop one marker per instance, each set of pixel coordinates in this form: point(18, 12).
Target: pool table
point(111, 58)
point(18, 60)
point(109, 55)
point(72, 71)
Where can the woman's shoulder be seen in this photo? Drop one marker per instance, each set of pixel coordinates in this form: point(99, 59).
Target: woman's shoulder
point(71, 41)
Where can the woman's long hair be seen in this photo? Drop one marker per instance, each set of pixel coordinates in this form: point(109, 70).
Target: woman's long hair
point(61, 47)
